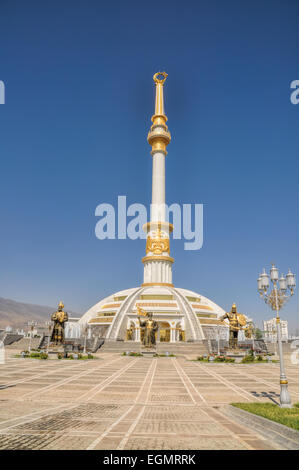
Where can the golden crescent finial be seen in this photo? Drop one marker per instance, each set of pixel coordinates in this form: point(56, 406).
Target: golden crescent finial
point(160, 80)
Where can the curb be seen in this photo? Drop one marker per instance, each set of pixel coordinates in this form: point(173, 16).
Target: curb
point(278, 433)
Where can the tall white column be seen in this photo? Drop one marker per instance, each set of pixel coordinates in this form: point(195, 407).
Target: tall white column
point(157, 262)
point(158, 188)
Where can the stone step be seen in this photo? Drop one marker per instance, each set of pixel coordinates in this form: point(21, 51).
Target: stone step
point(23, 344)
point(172, 348)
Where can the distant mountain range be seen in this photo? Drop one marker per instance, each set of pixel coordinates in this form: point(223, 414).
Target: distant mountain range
point(17, 314)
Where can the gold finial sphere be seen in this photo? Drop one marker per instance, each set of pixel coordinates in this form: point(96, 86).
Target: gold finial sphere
point(160, 80)
point(61, 304)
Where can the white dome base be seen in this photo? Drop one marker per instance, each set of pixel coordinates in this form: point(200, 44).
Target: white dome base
point(182, 315)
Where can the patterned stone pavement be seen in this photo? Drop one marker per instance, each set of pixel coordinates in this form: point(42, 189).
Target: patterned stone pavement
point(119, 402)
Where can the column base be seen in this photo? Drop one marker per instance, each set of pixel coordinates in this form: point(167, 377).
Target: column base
point(285, 399)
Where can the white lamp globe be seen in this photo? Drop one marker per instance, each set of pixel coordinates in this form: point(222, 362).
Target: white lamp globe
point(290, 278)
point(259, 284)
point(283, 283)
point(265, 280)
point(274, 273)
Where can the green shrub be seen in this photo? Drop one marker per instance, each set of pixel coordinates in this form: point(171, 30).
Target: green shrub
point(83, 358)
point(202, 358)
point(164, 355)
point(34, 354)
point(230, 359)
point(219, 359)
point(134, 354)
point(43, 355)
point(248, 358)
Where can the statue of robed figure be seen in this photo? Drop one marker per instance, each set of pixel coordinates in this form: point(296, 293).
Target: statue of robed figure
point(150, 326)
point(59, 318)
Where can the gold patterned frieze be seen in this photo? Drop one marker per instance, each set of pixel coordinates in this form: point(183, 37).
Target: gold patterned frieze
point(101, 320)
point(163, 313)
point(106, 314)
point(205, 321)
point(120, 298)
point(156, 304)
point(193, 299)
point(206, 315)
point(110, 306)
point(156, 297)
point(201, 307)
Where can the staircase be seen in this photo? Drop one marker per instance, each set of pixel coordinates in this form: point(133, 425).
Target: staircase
point(184, 349)
point(43, 342)
point(10, 338)
point(272, 348)
point(23, 344)
point(178, 349)
point(96, 344)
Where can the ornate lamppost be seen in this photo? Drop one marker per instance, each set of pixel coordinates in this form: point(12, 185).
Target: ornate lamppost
point(276, 297)
point(49, 325)
point(218, 339)
point(32, 324)
point(85, 330)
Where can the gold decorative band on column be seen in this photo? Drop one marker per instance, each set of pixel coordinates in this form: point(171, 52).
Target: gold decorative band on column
point(158, 139)
point(148, 284)
point(157, 258)
point(159, 120)
point(277, 320)
point(167, 226)
point(158, 150)
point(284, 382)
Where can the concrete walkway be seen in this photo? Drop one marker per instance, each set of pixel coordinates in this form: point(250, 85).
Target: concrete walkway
point(119, 402)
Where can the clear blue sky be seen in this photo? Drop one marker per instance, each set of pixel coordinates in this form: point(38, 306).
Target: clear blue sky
point(79, 97)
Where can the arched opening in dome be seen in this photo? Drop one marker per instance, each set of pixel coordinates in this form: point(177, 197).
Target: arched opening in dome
point(163, 332)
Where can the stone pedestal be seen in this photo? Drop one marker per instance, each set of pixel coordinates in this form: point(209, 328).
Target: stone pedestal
point(55, 350)
point(236, 354)
point(148, 352)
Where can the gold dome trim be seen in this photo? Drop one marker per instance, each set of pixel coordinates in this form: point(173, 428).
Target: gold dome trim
point(148, 284)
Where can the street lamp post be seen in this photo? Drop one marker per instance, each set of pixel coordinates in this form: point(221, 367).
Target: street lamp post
point(218, 340)
point(32, 325)
point(49, 325)
point(276, 298)
point(85, 338)
point(253, 333)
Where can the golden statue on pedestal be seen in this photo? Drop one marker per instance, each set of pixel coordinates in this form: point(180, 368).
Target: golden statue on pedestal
point(150, 327)
point(59, 318)
point(237, 322)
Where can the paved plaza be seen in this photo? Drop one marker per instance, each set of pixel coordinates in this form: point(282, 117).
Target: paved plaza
point(119, 402)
